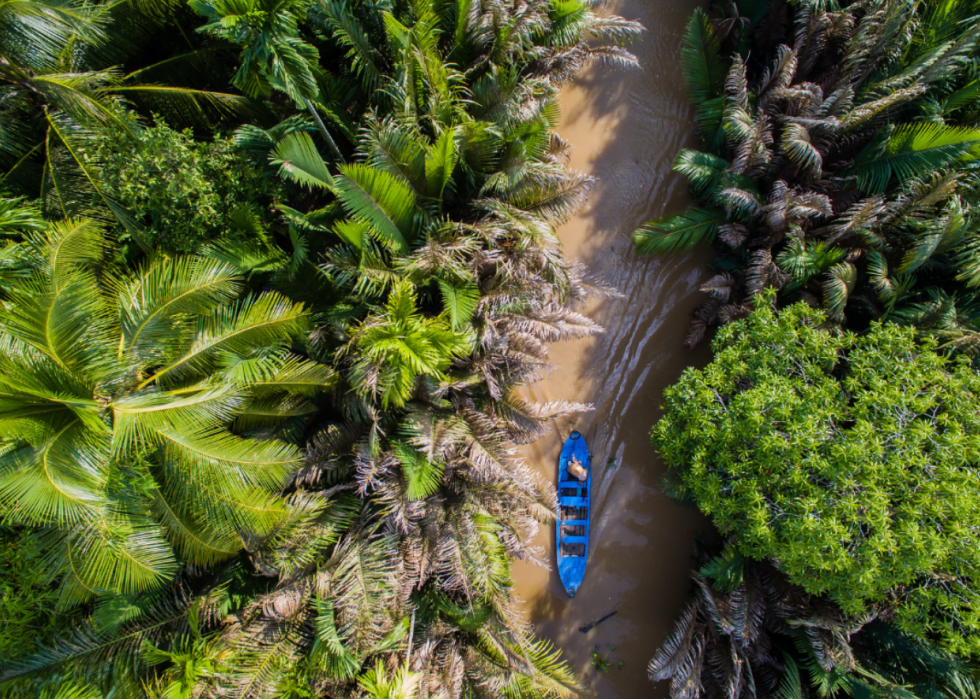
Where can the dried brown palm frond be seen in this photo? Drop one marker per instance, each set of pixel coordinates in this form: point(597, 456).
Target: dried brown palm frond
point(721, 286)
point(527, 420)
point(701, 319)
point(746, 642)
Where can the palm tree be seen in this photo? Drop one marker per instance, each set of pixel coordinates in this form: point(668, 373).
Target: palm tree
point(760, 636)
point(432, 280)
point(749, 632)
point(393, 349)
point(62, 87)
point(121, 396)
point(839, 162)
point(274, 55)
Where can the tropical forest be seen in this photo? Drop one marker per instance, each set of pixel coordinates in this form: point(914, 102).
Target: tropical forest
point(465, 349)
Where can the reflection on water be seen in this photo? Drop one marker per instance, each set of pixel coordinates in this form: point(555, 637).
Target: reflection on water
point(626, 127)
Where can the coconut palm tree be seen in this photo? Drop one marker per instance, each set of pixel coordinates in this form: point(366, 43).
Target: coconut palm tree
point(274, 55)
point(124, 398)
point(432, 281)
point(839, 161)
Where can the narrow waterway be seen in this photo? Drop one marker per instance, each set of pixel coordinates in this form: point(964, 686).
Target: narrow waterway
point(625, 127)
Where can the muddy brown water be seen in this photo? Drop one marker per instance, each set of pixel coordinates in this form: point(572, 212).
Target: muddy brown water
point(625, 127)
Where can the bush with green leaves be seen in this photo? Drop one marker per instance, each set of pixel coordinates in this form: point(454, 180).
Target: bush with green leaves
point(187, 193)
point(27, 598)
point(851, 461)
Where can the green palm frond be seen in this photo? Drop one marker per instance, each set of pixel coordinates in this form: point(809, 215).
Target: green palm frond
point(423, 476)
point(704, 171)
point(964, 97)
point(400, 345)
point(298, 160)
point(185, 106)
point(81, 96)
point(35, 34)
point(704, 73)
point(123, 551)
point(929, 239)
point(381, 199)
point(911, 150)
point(195, 538)
point(140, 418)
point(838, 285)
point(346, 28)
point(268, 320)
point(460, 302)
point(440, 161)
point(114, 657)
point(18, 217)
point(803, 260)
point(296, 376)
point(167, 290)
point(679, 232)
point(69, 245)
point(67, 323)
point(43, 484)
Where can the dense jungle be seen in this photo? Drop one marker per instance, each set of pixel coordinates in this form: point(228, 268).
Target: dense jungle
point(294, 303)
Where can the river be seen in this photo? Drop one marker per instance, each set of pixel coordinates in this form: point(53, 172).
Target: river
point(625, 127)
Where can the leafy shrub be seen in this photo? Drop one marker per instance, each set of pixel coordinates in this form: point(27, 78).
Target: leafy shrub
point(187, 193)
point(27, 600)
point(849, 460)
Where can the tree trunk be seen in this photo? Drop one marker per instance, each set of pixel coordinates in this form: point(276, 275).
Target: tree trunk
point(323, 130)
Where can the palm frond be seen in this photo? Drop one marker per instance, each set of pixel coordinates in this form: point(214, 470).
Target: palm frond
point(911, 150)
point(679, 232)
point(704, 72)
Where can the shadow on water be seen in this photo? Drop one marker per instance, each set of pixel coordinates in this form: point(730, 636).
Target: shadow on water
point(625, 127)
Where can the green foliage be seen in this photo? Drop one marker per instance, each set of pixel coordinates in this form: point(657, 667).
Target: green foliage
point(829, 129)
point(848, 459)
point(115, 407)
point(186, 193)
point(397, 347)
point(27, 599)
point(679, 232)
point(296, 443)
point(704, 70)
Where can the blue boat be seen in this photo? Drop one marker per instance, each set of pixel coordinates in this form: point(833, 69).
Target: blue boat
point(572, 525)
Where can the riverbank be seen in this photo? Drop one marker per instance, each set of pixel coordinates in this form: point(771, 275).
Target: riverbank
point(625, 127)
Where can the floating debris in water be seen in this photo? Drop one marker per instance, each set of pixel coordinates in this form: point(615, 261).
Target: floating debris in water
point(595, 622)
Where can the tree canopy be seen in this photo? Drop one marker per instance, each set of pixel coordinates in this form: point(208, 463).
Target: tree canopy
point(851, 460)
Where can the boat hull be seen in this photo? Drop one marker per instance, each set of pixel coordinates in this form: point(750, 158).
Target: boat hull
point(574, 508)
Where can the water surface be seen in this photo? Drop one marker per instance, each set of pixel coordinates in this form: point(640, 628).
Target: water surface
point(625, 127)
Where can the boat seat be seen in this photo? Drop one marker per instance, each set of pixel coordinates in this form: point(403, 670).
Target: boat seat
point(573, 512)
point(569, 501)
point(575, 540)
point(574, 522)
point(571, 484)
